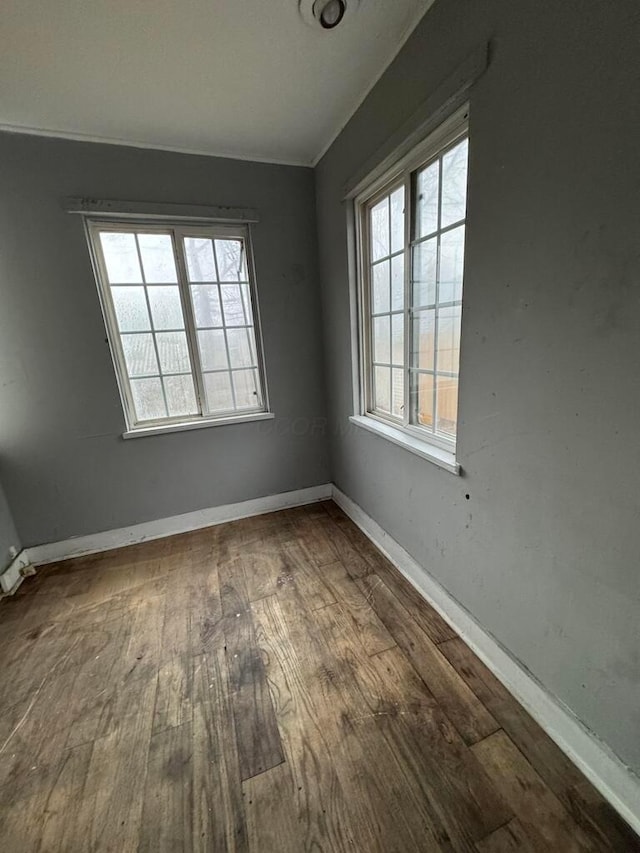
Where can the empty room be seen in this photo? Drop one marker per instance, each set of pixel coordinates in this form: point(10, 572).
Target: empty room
point(319, 402)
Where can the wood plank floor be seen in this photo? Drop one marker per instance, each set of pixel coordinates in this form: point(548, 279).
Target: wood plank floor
point(271, 684)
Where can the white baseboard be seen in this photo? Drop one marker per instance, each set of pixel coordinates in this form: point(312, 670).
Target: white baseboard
point(615, 781)
point(109, 539)
point(14, 574)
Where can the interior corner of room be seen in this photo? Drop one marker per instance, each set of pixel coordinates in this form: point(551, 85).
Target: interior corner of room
point(269, 299)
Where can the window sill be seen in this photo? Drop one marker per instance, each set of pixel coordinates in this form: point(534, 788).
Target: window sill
point(159, 429)
point(443, 458)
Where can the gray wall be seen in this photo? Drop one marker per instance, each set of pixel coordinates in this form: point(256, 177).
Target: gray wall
point(66, 470)
point(545, 551)
point(8, 533)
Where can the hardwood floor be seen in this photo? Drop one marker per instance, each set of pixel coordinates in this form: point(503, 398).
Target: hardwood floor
point(271, 684)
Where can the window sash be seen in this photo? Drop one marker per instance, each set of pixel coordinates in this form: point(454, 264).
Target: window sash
point(178, 234)
point(404, 174)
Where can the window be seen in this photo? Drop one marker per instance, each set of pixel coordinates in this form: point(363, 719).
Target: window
point(412, 235)
point(179, 305)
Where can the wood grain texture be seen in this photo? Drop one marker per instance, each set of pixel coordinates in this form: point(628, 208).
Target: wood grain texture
point(168, 798)
point(273, 794)
point(258, 738)
point(540, 750)
point(319, 805)
point(512, 774)
point(470, 717)
point(57, 832)
point(271, 684)
point(29, 803)
point(426, 616)
point(589, 810)
point(108, 816)
point(218, 817)
point(371, 632)
point(174, 704)
point(450, 790)
point(510, 838)
point(383, 819)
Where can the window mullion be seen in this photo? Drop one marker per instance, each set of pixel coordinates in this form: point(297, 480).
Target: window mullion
point(224, 325)
point(408, 223)
point(189, 321)
point(367, 326)
point(254, 315)
point(153, 327)
point(436, 316)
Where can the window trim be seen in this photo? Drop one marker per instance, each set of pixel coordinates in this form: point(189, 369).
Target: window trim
point(442, 458)
point(178, 229)
point(446, 135)
point(160, 429)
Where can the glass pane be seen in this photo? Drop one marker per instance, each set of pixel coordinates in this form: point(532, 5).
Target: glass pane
point(251, 332)
point(244, 382)
point(232, 305)
point(382, 388)
point(148, 399)
point(166, 308)
point(423, 342)
point(131, 309)
point(217, 387)
point(397, 283)
point(231, 260)
point(449, 339)
point(206, 305)
point(382, 339)
point(451, 265)
point(380, 229)
point(425, 256)
point(213, 350)
point(427, 201)
point(424, 407)
point(173, 352)
point(397, 219)
point(246, 301)
point(397, 392)
point(454, 184)
point(157, 258)
point(447, 403)
point(380, 281)
point(120, 257)
point(397, 339)
point(140, 355)
point(181, 396)
point(200, 263)
point(241, 351)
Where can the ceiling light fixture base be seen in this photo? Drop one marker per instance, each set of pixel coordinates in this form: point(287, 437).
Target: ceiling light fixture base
point(326, 14)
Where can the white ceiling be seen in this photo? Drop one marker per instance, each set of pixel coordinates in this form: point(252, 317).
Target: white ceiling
point(239, 78)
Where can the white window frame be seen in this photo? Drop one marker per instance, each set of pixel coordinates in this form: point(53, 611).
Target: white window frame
point(178, 230)
point(418, 440)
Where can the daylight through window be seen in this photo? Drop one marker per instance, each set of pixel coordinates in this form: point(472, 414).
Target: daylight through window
point(179, 305)
point(412, 262)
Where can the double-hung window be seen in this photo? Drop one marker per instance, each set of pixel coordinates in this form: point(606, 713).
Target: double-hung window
point(411, 226)
point(180, 308)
